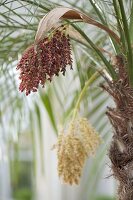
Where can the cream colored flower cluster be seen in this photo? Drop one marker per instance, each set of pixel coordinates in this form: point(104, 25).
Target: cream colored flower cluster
point(73, 148)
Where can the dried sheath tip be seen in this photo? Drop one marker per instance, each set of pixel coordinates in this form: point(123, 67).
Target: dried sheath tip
point(51, 56)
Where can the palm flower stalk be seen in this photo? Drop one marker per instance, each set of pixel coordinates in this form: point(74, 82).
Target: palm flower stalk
point(77, 143)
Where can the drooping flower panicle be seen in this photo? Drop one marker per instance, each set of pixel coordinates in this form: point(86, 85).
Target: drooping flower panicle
point(71, 157)
point(41, 62)
point(73, 148)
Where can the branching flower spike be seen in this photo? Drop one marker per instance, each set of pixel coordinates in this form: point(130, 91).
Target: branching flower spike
point(49, 57)
point(73, 148)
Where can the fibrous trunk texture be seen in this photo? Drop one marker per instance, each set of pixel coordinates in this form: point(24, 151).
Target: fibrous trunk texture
point(121, 118)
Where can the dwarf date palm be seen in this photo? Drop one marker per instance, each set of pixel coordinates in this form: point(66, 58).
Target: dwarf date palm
point(110, 61)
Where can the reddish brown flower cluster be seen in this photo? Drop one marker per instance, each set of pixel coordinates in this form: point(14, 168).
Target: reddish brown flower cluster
point(51, 56)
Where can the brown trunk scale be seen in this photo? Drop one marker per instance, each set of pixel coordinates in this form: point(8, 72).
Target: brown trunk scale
point(121, 118)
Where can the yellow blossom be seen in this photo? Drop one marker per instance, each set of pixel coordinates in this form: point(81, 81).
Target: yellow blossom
point(73, 148)
point(71, 158)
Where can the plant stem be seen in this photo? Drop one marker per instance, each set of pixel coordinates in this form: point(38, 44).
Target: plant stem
point(127, 36)
point(131, 25)
point(118, 17)
point(82, 93)
point(105, 61)
point(121, 118)
point(100, 15)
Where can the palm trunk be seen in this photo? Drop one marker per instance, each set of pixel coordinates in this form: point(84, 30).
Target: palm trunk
point(121, 118)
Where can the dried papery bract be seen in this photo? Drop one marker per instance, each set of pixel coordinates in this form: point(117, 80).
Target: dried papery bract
point(59, 13)
point(73, 148)
point(38, 64)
